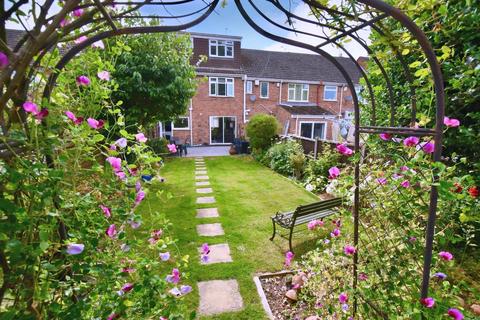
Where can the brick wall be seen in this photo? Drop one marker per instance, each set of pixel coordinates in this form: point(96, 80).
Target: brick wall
point(201, 47)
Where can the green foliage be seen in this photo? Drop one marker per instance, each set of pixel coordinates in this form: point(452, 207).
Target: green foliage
point(155, 78)
point(316, 171)
point(158, 145)
point(261, 130)
point(452, 28)
point(285, 157)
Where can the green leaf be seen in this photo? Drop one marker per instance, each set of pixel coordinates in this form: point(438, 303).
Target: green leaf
point(405, 52)
point(98, 137)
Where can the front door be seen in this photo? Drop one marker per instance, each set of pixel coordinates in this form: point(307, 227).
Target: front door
point(222, 130)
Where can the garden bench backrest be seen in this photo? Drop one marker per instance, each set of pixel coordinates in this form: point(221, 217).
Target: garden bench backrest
point(317, 207)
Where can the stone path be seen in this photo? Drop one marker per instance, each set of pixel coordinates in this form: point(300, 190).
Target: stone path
point(216, 296)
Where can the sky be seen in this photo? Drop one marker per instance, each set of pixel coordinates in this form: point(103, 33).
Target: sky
point(227, 20)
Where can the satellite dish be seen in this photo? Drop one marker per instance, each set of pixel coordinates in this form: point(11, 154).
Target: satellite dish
point(253, 98)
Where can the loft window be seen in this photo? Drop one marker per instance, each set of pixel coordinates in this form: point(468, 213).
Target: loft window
point(264, 90)
point(221, 87)
point(298, 92)
point(221, 48)
point(312, 130)
point(330, 93)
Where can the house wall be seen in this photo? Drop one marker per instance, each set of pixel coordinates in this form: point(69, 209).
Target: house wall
point(201, 46)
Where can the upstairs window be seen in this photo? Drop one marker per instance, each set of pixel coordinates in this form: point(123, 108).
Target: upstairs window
point(298, 92)
point(249, 87)
point(221, 87)
point(221, 48)
point(330, 93)
point(264, 90)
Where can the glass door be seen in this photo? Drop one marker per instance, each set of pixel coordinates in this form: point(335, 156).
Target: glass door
point(222, 130)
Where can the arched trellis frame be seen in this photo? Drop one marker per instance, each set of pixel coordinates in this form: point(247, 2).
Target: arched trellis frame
point(337, 24)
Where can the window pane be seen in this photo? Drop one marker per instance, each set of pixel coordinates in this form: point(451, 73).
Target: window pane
point(318, 130)
point(213, 50)
point(304, 95)
point(298, 92)
point(291, 94)
point(230, 89)
point(330, 93)
point(306, 130)
point(263, 89)
point(221, 51)
point(229, 51)
point(222, 90)
point(212, 88)
point(249, 86)
point(181, 123)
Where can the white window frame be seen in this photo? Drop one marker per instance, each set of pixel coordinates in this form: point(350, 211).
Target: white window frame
point(268, 89)
point(216, 43)
point(358, 91)
point(212, 80)
point(292, 88)
point(249, 87)
point(181, 128)
point(330, 88)
point(313, 127)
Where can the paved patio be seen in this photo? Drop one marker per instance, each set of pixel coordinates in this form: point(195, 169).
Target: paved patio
point(208, 151)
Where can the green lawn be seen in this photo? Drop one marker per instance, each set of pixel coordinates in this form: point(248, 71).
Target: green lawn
point(247, 194)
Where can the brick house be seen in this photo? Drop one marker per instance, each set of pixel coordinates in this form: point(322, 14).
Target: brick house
point(305, 92)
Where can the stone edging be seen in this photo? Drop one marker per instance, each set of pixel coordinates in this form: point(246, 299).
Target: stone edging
point(261, 293)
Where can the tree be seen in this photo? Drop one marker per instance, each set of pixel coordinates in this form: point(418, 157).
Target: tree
point(261, 130)
point(155, 78)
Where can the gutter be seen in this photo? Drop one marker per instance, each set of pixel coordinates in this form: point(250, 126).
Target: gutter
point(244, 99)
point(191, 121)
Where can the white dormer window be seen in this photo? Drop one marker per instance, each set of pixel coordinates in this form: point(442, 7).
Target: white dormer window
point(221, 48)
point(330, 93)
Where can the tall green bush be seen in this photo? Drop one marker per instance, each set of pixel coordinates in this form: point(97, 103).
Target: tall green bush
point(286, 158)
point(261, 130)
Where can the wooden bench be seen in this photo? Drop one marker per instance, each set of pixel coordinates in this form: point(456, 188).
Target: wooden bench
point(304, 214)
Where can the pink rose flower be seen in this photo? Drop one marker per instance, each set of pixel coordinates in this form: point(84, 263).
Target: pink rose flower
point(3, 60)
point(70, 115)
point(83, 81)
point(445, 255)
point(106, 211)
point(78, 12)
point(111, 231)
point(428, 302)
point(95, 124)
point(80, 39)
point(405, 184)
point(140, 137)
point(104, 75)
point(343, 297)
point(349, 250)
point(343, 149)
point(450, 122)
point(334, 172)
point(115, 162)
point(455, 314)
point(411, 141)
point(385, 136)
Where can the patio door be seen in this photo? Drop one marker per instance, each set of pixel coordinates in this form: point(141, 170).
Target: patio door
point(222, 130)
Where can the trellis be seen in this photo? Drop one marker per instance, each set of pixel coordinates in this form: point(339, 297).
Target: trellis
point(338, 23)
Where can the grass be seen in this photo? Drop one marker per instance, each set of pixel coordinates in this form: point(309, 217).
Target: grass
point(246, 194)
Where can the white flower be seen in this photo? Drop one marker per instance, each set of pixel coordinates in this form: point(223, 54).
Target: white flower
point(309, 187)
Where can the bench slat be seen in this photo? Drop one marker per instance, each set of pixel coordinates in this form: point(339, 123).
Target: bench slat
point(314, 216)
point(321, 204)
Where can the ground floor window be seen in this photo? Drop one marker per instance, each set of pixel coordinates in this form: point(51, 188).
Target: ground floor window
point(181, 123)
point(313, 130)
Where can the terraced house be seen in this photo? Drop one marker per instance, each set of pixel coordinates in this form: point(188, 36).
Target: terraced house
point(306, 93)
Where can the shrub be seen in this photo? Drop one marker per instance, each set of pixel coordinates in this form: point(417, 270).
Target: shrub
point(282, 155)
point(159, 145)
point(261, 130)
point(316, 172)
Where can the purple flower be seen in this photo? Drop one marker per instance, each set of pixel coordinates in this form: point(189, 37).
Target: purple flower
point(83, 81)
point(382, 181)
point(3, 60)
point(80, 39)
point(288, 258)
point(103, 75)
point(455, 314)
point(428, 302)
point(127, 287)
point(174, 277)
point(106, 211)
point(326, 241)
point(404, 168)
point(164, 256)
point(405, 183)
point(78, 12)
point(75, 248)
point(440, 275)
point(411, 141)
point(385, 136)
point(427, 147)
point(112, 316)
point(116, 163)
point(312, 225)
point(134, 224)
point(32, 108)
point(138, 186)
point(343, 149)
point(205, 248)
point(122, 142)
point(70, 115)
point(362, 276)
point(335, 233)
point(139, 197)
point(445, 255)
point(98, 45)
point(95, 124)
point(344, 307)
point(334, 172)
point(174, 291)
point(111, 231)
point(64, 22)
point(412, 239)
point(349, 250)
point(450, 122)
point(124, 247)
point(140, 137)
point(185, 289)
point(343, 298)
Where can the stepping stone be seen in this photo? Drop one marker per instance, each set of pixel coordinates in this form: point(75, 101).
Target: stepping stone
point(201, 172)
point(219, 296)
point(207, 213)
point(219, 253)
point(205, 190)
point(202, 183)
point(210, 230)
point(202, 200)
point(201, 168)
point(201, 178)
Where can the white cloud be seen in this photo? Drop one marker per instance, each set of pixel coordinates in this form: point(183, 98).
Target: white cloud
point(303, 10)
